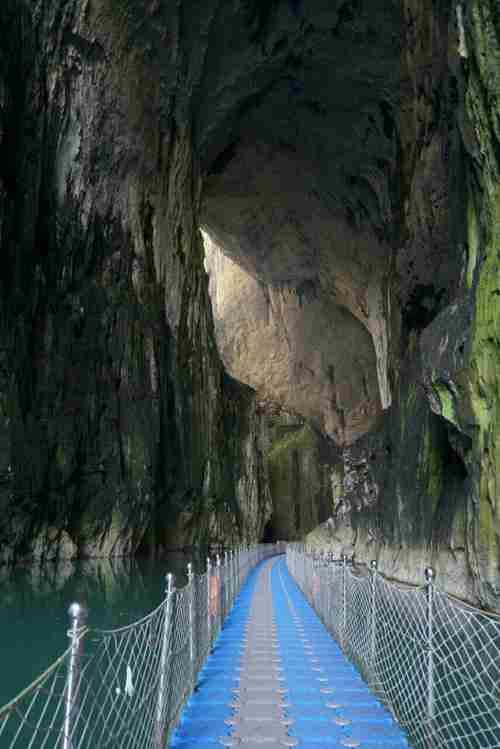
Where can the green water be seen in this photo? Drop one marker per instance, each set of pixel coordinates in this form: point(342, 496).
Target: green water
point(34, 603)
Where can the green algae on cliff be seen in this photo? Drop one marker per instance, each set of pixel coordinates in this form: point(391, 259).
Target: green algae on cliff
point(485, 392)
point(483, 110)
point(299, 463)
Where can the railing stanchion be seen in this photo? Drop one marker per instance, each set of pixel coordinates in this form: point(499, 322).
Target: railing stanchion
point(226, 583)
point(429, 576)
point(373, 618)
point(162, 717)
point(77, 615)
point(329, 580)
point(232, 582)
point(344, 601)
point(219, 590)
point(192, 623)
point(132, 686)
point(209, 605)
point(238, 567)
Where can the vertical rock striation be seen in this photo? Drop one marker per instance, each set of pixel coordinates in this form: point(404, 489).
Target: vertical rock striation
point(119, 426)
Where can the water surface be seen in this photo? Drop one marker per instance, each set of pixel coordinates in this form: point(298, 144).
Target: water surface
point(34, 601)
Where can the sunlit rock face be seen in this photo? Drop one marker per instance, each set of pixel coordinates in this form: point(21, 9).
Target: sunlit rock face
point(294, 345)
point(275, 212)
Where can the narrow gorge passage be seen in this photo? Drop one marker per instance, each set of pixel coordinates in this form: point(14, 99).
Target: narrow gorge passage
point(250, 284)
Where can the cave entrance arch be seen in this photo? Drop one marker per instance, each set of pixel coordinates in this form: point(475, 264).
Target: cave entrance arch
point(299, 163)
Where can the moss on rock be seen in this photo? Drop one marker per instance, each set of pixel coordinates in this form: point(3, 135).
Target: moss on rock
point(299, 461)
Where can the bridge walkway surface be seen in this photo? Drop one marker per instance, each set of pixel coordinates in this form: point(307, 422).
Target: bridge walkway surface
point(276, 678)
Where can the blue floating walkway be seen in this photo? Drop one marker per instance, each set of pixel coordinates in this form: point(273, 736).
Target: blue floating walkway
point(277, 679)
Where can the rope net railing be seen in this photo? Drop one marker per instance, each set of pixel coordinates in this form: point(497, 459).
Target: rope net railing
point(433, 660)
point(126, 687)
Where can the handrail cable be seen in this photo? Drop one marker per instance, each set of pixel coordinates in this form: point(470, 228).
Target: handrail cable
point(126, 687)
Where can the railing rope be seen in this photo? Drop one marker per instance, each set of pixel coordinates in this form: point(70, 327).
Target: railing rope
point(129, 686)
point(433, 659)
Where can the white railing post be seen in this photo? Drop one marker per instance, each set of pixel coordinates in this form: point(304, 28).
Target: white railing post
point(162, 717)
point(229, 581)
point(429, 576)
point(236, 572)
point(192, 615)
point(329, 617)
point(226, 583)
point(77, 615)
point(344, 600)
point(373, 618)
point(232, 578)
point(219, 590)
point(209, 605)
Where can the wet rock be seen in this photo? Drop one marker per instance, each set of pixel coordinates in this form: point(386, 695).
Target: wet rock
point(53, 545)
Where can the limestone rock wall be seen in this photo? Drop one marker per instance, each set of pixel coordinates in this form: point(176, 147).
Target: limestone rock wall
point(296, 346)
point(118, 425)
point(433, 462)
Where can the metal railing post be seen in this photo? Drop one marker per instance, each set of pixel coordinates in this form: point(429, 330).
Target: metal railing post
point(322, 590)
point(209, 604)
point(219, 590)
point(331, 570)
point(231, 578)
point(77, 615)
point(192, 613)
point(373, 618)
point(237, 567)
point(162, 717)
point(235, 572)
point(344, 601)
point(226, 583)
point(429, 576)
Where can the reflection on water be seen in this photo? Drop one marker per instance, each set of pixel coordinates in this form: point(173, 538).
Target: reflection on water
point(34, 601)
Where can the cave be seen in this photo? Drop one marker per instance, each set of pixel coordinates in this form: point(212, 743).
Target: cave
point(269, 536)
point(247, 246)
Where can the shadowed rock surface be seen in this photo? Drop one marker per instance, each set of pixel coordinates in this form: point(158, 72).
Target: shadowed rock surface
point(344, 157)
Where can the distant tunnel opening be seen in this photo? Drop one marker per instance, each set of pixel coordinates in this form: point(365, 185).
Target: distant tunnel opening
point(269, 536)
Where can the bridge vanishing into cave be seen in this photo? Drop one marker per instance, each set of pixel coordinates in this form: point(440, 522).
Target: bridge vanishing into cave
point(277, 679)
point(308, 651)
